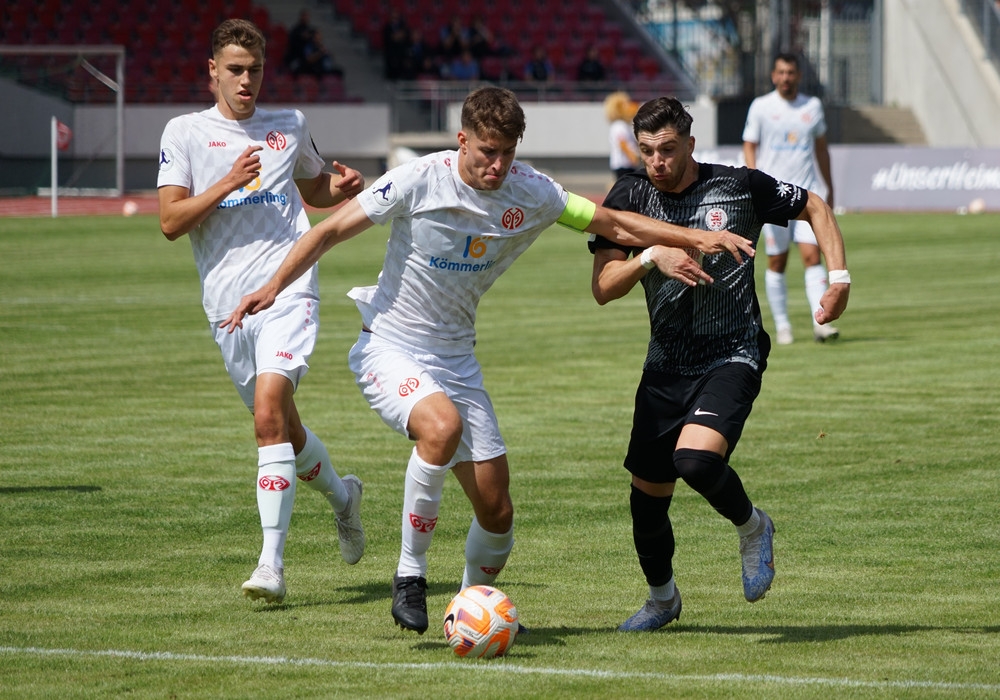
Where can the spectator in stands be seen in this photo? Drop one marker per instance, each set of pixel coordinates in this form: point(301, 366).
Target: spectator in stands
point(396, 41)
point(454, 39)
point(590, 67)
point(619, 110)
point(298, 35)
point(316, 60)
point(420, 60)
point(462, 67)
point(539, 69)
point(482, 41)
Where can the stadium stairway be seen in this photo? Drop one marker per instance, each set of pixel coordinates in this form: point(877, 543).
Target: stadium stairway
point(362, 71)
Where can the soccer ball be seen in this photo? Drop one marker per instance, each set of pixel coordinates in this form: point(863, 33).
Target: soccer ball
point(129, 208)
point(480, 622)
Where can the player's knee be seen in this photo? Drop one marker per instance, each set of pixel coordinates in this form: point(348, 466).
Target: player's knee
point(496, 514)
point(702, 470)
point(269, 425)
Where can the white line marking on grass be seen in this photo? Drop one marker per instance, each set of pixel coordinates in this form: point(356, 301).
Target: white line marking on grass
point(502, 667)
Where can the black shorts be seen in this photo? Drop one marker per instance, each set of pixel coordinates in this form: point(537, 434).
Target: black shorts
point(720, 399)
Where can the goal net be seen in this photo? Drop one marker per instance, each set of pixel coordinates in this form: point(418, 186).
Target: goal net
point(83, 86)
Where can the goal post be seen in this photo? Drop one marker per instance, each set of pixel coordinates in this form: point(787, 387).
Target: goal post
point(83, 54)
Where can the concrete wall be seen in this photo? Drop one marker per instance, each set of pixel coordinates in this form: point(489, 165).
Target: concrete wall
point(934, 66)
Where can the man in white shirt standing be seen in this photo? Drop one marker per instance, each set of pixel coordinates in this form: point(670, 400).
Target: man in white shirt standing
point(233, 178)
point(785, 136)
point(459, 219)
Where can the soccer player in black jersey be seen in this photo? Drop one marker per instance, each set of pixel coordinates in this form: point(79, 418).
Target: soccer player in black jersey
point(707, 347)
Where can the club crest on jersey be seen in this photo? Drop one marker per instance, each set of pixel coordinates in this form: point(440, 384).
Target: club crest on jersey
point(716, 219)
point(408, 386)
point(385, 195)
point(166, 159)
point(512, 218)
point(276, 140)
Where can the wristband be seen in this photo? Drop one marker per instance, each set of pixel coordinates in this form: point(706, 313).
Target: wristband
point(646, 259)
point(838, 277)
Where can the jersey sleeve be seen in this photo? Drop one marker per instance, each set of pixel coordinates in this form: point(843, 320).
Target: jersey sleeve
point(391, 194)
point(776, 202)
point(309, 162)
point(175, 164)
point(621, 198)
point(820, 129)
point(751, 128)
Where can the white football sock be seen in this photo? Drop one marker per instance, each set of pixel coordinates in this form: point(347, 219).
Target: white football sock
point(750, 525)
point(313, 466)
point(275, 497)
point(815, 276)
point(485, 555)
point(777, 298)
point(421, 503)
point(664, 593)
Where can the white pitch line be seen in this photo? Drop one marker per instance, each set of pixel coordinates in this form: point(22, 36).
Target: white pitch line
point(504, 667)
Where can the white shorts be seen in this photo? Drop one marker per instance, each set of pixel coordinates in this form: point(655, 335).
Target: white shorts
point(393, 379)
point(777, 238)
point(279, 339)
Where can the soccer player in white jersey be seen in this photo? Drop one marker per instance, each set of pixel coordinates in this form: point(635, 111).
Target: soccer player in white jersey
point(459, 219)
point(233, 178)
point(785, 136)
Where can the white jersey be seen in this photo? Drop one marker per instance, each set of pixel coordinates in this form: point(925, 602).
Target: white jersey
point(785, 133)
point(243, 242)
point(620, 130)
point(448, 244)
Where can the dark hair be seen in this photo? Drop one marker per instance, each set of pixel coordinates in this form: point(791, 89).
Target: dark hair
point(493, 111)
point(238, 32)
point(787, 58)
point(661, 113)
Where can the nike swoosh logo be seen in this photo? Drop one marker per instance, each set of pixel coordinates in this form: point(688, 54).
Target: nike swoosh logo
point(699, 412)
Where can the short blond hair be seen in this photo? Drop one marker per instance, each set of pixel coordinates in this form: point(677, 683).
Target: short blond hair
point(619, 105)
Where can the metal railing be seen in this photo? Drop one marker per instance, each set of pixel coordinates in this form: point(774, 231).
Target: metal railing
point(422, 105)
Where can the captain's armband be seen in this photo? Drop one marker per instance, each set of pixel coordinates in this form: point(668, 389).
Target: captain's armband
point(579, 212)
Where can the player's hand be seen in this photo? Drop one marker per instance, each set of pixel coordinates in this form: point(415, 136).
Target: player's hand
point(252, 303)
point(246, 169)
point(351, 182)
point(678, 265)
point(833, 303)
point(724, 241)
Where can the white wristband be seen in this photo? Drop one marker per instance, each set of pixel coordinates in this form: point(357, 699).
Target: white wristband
point(646, 259)
point(838, 277)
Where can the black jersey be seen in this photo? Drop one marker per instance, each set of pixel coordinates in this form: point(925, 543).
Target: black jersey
point(695, 329)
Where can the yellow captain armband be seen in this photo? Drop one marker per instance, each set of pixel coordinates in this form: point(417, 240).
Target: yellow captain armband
point(579, 212)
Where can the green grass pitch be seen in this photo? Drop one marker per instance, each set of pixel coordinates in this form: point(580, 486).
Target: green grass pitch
point(128, 518)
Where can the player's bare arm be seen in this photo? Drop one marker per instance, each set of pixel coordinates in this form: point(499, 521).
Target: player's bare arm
point(636, 230)
point(330, 189)
point(750, 154)
point(180, 212)
point(615, 273)
point(345, 223)
point(831, 243)
point(823, 162)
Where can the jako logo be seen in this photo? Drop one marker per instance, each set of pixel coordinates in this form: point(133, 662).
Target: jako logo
point(491, 570)
point(216, 144)
point(422, 524)
point(312, 473)
point(512, 218)
point(475, 247)
point(273, 483)
point(408, 386)
point(284, 354)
